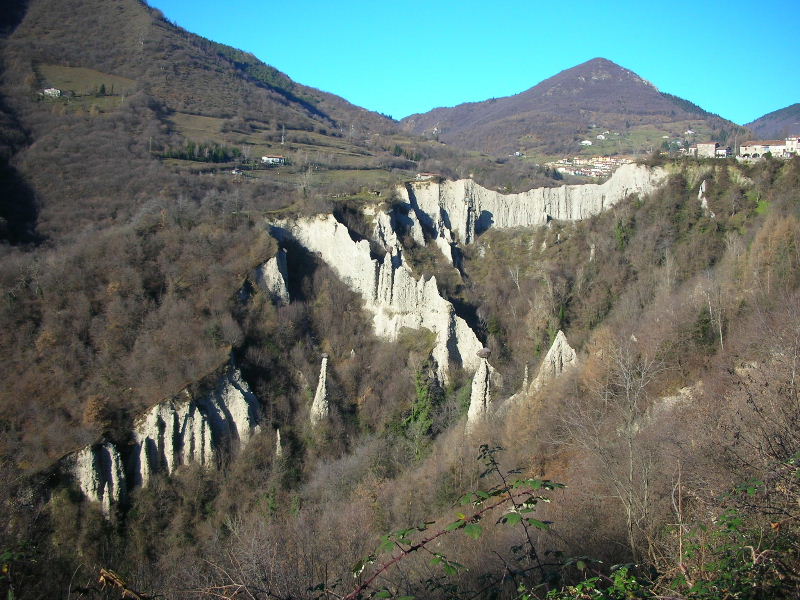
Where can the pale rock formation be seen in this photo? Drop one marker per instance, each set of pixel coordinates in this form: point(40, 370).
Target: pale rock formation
point(385, 229)
point(559, 358)
point(460, 209)
point(415, 228)
point(701, 195)
point(185, 430)
point(100, 474)
point(480, 399)
point(388, 226)
point(390, 291)
point(278, 445)
point(320, 408)
point(171, 433)
point(232, 410)
point(178, 431)
point(271, 278)
point(666, 404)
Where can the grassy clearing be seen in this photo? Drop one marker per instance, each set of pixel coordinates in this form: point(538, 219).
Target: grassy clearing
point(82, 81)
point(198, 127)
point(300, 147)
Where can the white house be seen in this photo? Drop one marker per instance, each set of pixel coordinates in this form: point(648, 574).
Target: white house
point(273, 160)
point(586, 143)
point(600, 136)
point(52, 92)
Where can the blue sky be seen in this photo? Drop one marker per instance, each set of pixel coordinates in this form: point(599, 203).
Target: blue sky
point(737, 59)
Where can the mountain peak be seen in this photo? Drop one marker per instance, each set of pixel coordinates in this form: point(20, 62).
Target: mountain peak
point(599, 60)
point(551, 118)
point(598, 71)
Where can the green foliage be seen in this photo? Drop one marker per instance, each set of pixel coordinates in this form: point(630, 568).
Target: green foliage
point(8, 560)
point(620, 584)
point(417, 424)
point(202, 152)
point(762, 207)
point(622, 233)
point(414, 155)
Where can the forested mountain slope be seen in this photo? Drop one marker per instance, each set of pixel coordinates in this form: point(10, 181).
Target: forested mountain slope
point(677, 308)
point(140, 108)
point(132, 88)
point(235, 385)
point(551, 118)
point(777, 124)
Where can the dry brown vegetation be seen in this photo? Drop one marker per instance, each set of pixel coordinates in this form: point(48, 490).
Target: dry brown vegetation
point(687, 302)
point(121, 284)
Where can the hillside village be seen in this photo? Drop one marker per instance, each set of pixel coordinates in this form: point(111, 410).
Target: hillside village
point(751, 150)
point(604, 166)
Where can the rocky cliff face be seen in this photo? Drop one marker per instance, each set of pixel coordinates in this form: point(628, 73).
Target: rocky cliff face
point(271, 278)
point(100, 474)
point(559, 358)
point(182, 430)
point(458, 210)
point(480, 400)
point(390, 291)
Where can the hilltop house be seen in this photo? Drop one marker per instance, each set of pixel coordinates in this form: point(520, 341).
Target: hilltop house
point(709, 150)
point(777, 148)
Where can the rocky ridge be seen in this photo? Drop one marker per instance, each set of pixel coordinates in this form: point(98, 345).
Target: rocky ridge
point(480, 400)
point(392, 294)
point(271, 278)
point(559, 358)
point(189, 429)
point(457, 211)
point(186, 429)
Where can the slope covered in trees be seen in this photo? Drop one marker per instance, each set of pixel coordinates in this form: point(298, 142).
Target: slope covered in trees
point(134, 92)
point(128, 276)
point(551, 118)
point(777, 124)
point(682, 320)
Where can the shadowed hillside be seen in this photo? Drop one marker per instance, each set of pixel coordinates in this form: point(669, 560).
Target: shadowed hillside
point(777, 124)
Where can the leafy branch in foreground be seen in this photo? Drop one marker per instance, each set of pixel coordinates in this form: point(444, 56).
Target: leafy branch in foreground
point(520, 498)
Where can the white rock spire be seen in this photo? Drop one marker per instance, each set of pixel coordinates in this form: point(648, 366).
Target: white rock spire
point(480, 399)
point(558, 359)
point(180, 430)
point(391, 292)
point(320, 408)
point(278, 445)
